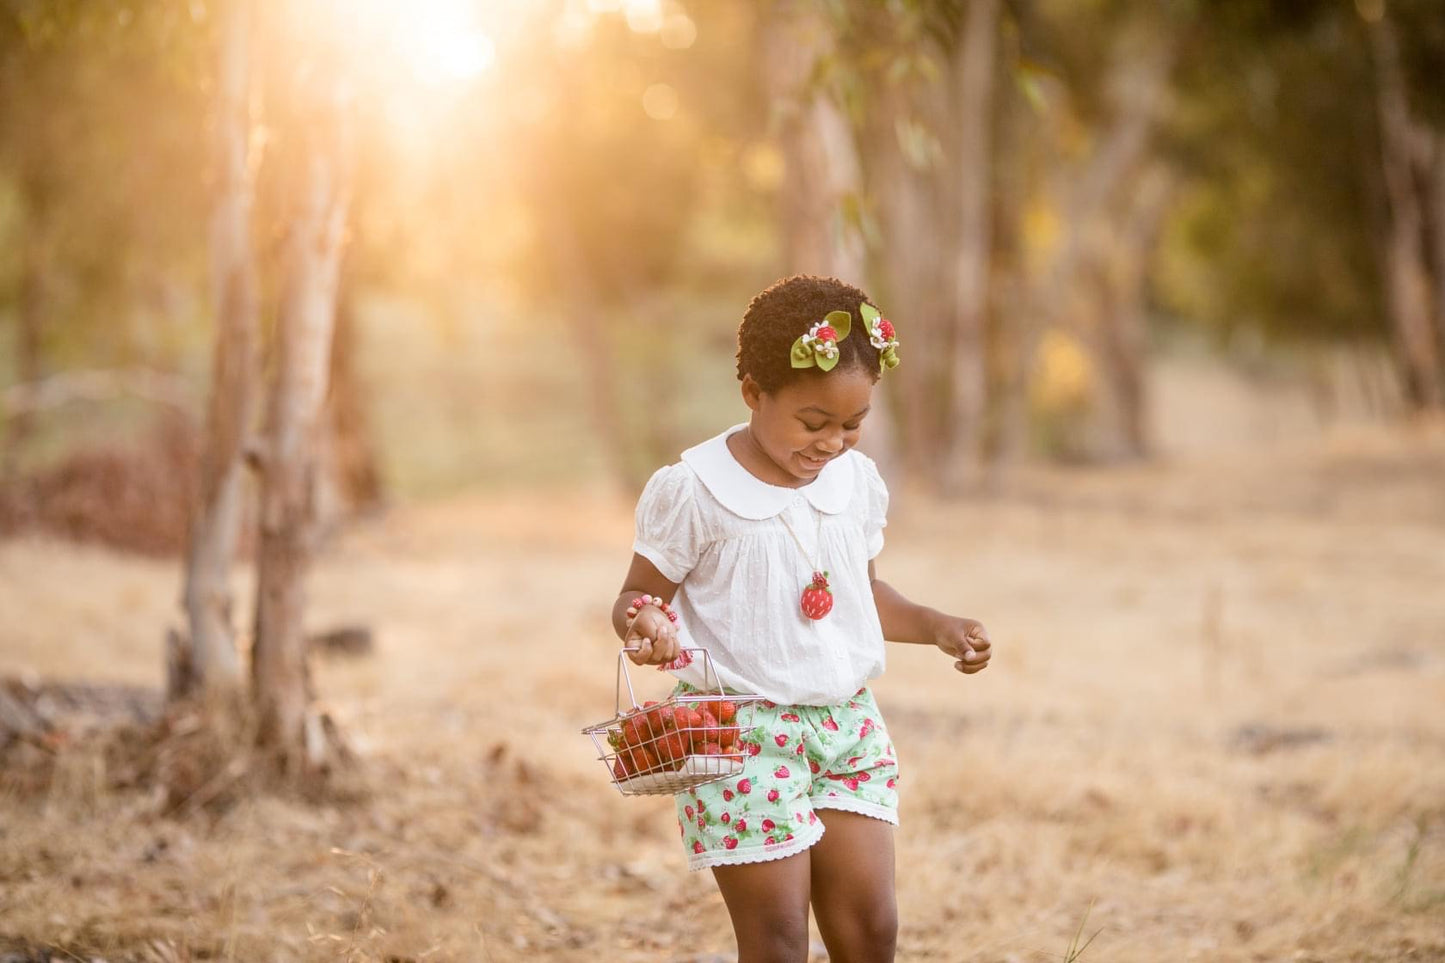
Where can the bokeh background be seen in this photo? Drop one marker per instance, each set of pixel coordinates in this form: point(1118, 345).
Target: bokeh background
point(1170, 283)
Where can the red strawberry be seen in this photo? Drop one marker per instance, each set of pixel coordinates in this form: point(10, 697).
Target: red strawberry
point(725, 818)
point(753, 748)
point(827, 333)
point(690, 813)
point(745, 786)
point(790, 717)
point(772, 797)
point(672, 748)
point(707, 727)
point(727, 795)
point(817, 597)
point(742, 826)
point(619, 770)
point(701, 806)
point(813, 766)
point(711, 749)
point(727, 711)
point(892, 782)
point(866, 728)
point(864, 777)
point(701, 823)
point(781, 740)
point(771, 840)
point(727, 735)
point(781, 772)
point(800, 749)
point(830, 725)
point(731, 842)
point(885, 328)
point(768, 825)
point(657, 717)
point(697, 846)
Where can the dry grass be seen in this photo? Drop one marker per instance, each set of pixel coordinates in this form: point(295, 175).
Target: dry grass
point(1215, 723)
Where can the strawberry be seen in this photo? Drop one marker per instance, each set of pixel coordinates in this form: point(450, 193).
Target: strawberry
point(753, 748)
point(813, 766)
point(827, 333)
point(769, 825)
point(727, 795)
point(745, 786)
point(707, 727)
point(885, 328)
point(742, 826)
point(725, 818)
point(672, 748)
point(731, 842)
point(619, 770)
point(800, 749)
point(817, 597)
point(657, 716)
point(781, 739)
point(771, 840)
point(781, 772)
point(727, 735)
point(830, 725)
point(772, 797)
point(791, 717)
point(727, 711)
point(690, 814)
point(711, 749)
point(697, 846)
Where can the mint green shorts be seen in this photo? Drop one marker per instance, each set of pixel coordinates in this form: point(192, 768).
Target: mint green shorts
point(799, 759)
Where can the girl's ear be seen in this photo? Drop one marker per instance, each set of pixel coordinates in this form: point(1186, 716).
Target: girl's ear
point(752, 393)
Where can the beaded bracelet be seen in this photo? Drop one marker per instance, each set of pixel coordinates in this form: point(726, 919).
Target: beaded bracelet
point(684, 659)
point(642, 600)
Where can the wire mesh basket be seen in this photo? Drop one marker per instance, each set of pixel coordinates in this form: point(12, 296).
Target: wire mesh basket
point(658, 748)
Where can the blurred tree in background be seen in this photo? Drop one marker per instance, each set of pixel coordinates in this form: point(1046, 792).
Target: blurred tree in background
point(549, 246)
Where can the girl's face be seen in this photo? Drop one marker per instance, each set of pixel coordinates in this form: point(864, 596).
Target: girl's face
point(802, 426)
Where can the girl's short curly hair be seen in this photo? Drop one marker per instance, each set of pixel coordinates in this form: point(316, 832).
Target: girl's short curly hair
point(783, 312)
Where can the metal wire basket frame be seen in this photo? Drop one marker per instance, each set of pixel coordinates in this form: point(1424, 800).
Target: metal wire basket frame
point(670, 746)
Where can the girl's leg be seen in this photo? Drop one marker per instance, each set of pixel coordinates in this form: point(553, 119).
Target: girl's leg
point(852, 884)
point(768, 903)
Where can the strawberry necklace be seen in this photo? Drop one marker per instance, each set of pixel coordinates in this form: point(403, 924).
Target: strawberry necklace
point(817, 597)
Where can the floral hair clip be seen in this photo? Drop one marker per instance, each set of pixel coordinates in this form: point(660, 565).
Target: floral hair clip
point(820, 345)
point(881, 336)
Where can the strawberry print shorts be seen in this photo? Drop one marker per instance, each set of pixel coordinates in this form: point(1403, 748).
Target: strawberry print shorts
point(800, 759)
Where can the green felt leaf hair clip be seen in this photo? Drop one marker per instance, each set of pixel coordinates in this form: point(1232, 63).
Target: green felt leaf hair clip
point(881, 335)
point(820, 345)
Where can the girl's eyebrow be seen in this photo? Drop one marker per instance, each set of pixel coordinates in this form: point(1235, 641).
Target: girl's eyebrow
point(829, 414)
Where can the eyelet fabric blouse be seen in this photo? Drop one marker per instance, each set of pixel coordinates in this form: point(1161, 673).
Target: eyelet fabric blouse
point(711, 526)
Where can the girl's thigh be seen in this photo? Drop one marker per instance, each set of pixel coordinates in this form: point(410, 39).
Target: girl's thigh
point(852, 886)
point(768, 904)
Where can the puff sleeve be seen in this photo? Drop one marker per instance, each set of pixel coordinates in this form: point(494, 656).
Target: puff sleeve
point(875, 507)
point(669, 531)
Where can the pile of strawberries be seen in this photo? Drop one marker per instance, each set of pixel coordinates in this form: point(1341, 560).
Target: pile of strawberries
point(659, 737)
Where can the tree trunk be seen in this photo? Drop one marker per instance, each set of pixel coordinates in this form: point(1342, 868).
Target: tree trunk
point(307, 312)
point(1139, 75)
point(1407, 280)
point(975, 73)
point(349, 479)
point(823, 182)
point(1437, 173)
point(216, 518)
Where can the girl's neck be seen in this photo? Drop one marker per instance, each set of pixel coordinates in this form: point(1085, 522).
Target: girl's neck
point(748, 453)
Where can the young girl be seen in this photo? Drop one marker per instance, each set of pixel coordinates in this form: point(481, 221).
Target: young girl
point(750, 537)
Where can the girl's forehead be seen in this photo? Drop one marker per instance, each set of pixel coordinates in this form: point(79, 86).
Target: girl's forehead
point(843, 392)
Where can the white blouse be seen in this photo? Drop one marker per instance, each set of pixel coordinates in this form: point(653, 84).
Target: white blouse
point(718, 531)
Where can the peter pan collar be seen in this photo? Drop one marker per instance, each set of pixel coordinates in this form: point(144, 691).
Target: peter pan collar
point(742, 493)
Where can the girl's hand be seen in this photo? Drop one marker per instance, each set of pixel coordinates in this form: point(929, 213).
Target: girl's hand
point(964, 639)
point(653, 635)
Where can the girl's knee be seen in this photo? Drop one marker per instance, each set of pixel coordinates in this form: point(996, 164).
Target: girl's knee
point(778, 938)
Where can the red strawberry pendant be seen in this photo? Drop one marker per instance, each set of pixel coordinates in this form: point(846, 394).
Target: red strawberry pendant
point(817, 598)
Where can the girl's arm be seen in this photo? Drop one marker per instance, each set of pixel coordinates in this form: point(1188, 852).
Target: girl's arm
point(904, 621)
point(651, 631)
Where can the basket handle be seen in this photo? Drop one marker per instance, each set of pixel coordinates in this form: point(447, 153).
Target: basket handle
point(624, 676)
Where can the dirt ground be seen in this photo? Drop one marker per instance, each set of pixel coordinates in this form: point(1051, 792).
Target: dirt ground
point(1214, 729)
